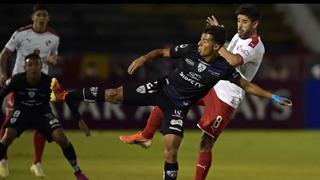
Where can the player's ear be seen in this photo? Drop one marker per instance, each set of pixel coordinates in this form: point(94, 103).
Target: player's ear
point(216, 47)
point(255, 24)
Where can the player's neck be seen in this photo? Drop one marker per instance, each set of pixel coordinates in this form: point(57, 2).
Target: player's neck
point(33, 80)
point(39, 29)
point(211, 58)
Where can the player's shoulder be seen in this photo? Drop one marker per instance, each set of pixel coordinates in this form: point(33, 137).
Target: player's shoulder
point(53, 32)
point(23, 31)
point(25, 28)
point(18, 77)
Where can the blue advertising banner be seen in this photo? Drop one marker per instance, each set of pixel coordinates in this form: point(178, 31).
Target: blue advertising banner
point(312, 102)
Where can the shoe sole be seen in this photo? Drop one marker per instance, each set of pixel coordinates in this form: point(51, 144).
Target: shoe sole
point(144, 144)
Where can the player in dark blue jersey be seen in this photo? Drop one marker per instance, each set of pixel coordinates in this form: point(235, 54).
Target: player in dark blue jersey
point(32, 110)
point(199, 69)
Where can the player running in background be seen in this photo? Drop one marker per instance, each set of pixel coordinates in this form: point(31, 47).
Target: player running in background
point(32, 110)
point(245, 52)
point(199, 69)
point(39, 38)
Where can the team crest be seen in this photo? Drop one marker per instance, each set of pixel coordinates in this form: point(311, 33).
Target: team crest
point(31, 94)
point(141, 89)
point(201, 67)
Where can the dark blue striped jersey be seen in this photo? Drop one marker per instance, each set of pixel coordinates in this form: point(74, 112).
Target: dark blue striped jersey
point(27, 97)
point(193, 77)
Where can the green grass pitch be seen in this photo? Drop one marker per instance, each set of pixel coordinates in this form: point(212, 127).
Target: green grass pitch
point(238, 155)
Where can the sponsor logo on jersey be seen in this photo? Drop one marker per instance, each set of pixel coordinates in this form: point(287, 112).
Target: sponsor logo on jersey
point(213, 73)
point(194, 76)
point(191, 81)
point(189, 61)
point(201, 67)
point(176, 122)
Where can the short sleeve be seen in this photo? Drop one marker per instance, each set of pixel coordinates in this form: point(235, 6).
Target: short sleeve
point(13, 43)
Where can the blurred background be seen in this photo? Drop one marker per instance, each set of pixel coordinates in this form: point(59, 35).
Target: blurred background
point(99, 41)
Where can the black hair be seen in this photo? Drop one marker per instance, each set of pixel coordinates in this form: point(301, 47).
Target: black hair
point(218, 33)
point(39, 7)
point(32, 56)
point(249, 10)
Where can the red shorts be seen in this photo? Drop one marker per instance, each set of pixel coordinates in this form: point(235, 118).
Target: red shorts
point(216, 115)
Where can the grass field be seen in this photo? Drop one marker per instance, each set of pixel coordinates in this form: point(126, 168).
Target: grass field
point(239, 155)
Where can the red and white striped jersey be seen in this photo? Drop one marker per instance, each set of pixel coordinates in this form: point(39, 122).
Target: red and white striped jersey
point(251, 50)
point(25, 40)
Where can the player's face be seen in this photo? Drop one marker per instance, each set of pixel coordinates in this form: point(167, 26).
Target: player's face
point(246, 27)
point(33, 67)
point(41, 18)
point(207, 46)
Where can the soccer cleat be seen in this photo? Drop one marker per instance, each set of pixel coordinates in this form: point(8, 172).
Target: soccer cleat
point(58, 93)
point(4, 170)
point(81, 176)
point(137, 139)
point(37, 170)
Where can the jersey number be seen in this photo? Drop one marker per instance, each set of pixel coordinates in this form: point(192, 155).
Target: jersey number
point(217, 122)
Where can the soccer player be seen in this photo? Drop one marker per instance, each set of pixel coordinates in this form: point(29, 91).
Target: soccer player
point(245, 52)
point(199, 69)
point(32, 110)
point(37, 37)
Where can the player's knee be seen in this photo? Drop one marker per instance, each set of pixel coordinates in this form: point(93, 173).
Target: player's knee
point(206, 143)
point(9, 135)
point(59, 137)
point(171, 154)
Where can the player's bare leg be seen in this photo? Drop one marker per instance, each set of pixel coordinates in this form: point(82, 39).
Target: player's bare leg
point(69, 153)
point(172, 143)
point(9, 135)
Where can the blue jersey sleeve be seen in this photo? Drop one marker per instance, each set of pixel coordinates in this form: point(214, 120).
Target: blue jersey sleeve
point(179, 51)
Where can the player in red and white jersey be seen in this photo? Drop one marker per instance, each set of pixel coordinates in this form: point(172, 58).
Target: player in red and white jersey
point(34, 38)
point(245, 52)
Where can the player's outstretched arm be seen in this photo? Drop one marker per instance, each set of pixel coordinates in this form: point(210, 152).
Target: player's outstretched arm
point(137, 63)
point(254, 89)
point(4, 55)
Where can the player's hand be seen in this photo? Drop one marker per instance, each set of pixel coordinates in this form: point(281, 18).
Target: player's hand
point(3, 79)
point(211, 20)
point(52, 59)
point(136, 64)
point(84, 128)
point(281, 100)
